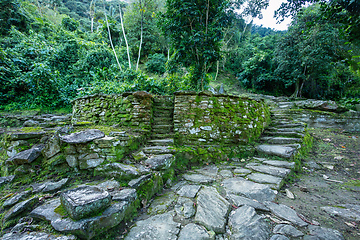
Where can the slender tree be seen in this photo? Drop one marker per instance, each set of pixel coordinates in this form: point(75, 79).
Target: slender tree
point(126, 42)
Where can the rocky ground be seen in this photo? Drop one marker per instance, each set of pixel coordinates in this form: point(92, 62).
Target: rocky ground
point(330, 178)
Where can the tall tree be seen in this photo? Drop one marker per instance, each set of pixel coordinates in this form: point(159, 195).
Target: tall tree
point(195, 28)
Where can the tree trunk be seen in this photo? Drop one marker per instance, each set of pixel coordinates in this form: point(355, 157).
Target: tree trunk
point(123, 30)
point(141, 35)
point(111, 43)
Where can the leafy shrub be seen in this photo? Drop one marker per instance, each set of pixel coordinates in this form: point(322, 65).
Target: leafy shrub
point(69, 24)
point(156, 63)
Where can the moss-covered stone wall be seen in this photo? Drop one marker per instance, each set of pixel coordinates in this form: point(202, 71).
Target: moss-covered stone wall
point(205, 119)
point(199, 118)
point(129, 109)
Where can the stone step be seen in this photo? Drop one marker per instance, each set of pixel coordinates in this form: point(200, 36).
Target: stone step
point(158, 126)
point(163, 108)
point(162, 136)
point(285, 134)
point(276, 163)
point(281, 140)
point(162, 130)
point(162, 114)
point(267, 169)
point(273, 181)
point(299, 130)
point(281, 124)
point(162, 142)
point(276, 150)
point(160, 162)
point(158, 150)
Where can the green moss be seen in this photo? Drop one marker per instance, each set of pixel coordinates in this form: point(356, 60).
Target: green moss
point(61, 210)
point(31, 129)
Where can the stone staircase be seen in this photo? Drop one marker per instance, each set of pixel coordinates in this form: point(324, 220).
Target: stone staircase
point(159, 148)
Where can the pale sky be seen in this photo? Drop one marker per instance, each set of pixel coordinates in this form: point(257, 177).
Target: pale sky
point(268, 19)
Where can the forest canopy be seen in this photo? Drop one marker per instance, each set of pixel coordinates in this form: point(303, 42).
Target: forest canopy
point(52, 51)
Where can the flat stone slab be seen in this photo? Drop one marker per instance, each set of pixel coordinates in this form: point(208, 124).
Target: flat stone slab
point(127, 194)
point(117, 170)
point(349, 214)
point(285, 213)
point(24, 136)
point(282, 164)
point(83, 136)
point(226, 173)
point(277, 150)
point(35, 236)
point(50, 186)
point(265, 178)
point(241, 186)
point(189, 191)
point(159, 150)
point(281, 140)
point(245, 223)
point(241, 171)
point(27, 156)
point(4, 180)
point(325, 233)
point(185, 207)
point(210, 170)
point(240, 201)
point(287, 230)
point(135, 183)
point(85, 228)
point(212, 210)
point(17, 198)
point(275, 171)
point(160, 227)
point(84, 201)
point(162, 203)
point(193, 231)
point(198, 178)
point(279, 237)
point(159, 162)
point(20, 208)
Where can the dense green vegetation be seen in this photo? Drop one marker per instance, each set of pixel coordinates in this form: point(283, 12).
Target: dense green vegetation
point(53, 51)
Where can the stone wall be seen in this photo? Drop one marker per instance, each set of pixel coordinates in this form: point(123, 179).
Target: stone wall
point(205, 119)
point(199, 118)
point(129, 109)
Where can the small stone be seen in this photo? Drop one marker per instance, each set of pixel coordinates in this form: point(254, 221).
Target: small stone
point(127, 194)
point(160, 227)
point(212, 209)
point(20, 208)
point(275, 171)
point(289, 194)
point(265, 178)
point(241, 171)
point(348, 214)
point(189, 191)
point(50, 186)
point(285, 213)
point(4, 180)
point(159, 162)
point(198, 178)
point(257, 191)
point(17, 198)
point(211, 170)
point(325, 233)
point(36, 236)
point(139, 181)
point(185, 207)
point(138, 156)
point(84, 201)
point(52, 147)
point(83, 136)
point(245, 223)
point(279, 237)
point(27, 156)
point(240, 201)
point(194, 232)
point(161, 204)
point(287, 230)
point(226, 173)
point(276, 150)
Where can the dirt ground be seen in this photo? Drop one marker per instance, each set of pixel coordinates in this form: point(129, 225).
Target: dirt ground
point(330, 177)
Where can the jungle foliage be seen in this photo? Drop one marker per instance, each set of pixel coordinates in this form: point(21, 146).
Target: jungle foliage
point(52, 51)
